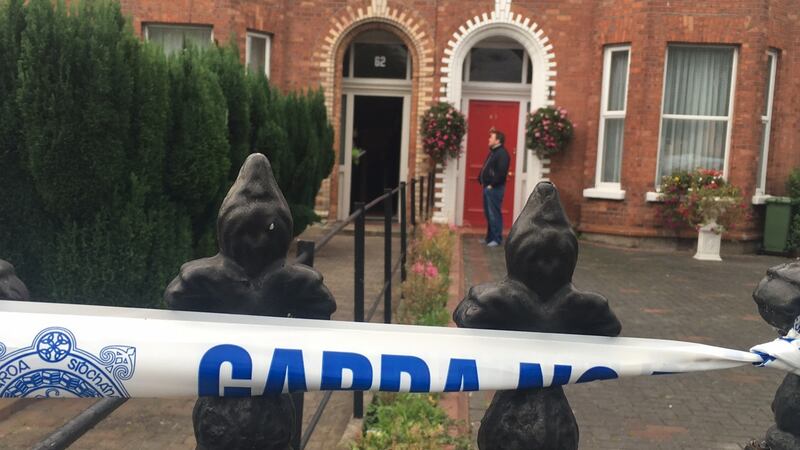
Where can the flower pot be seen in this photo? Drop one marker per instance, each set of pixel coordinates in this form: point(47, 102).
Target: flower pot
point(709, 240)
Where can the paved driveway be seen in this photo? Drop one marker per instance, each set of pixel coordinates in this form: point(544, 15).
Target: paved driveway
point(665, 295)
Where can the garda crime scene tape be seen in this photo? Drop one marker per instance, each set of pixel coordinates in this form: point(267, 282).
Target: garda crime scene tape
point(57, 350)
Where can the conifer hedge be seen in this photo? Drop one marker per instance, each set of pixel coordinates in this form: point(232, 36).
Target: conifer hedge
point(115, 158)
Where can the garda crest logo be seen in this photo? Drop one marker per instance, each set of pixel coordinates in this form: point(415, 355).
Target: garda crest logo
point(55, 367)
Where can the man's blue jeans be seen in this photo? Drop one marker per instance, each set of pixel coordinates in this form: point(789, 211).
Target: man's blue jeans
point(492, 200)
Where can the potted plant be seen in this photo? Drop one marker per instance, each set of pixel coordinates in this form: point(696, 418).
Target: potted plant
point(548, 130)
point(704, 200)
point(442, 130)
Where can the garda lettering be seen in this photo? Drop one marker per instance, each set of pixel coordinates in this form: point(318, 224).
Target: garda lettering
point(287, 371)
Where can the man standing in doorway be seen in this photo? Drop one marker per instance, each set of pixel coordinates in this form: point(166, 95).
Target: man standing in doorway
point(493, 179)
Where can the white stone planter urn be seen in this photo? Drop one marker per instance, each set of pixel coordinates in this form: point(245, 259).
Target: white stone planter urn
point(709, 235)
point(709, 240)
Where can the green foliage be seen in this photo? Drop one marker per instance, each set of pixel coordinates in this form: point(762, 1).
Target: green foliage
point(197, 142)
point(548, 130)
point(442, 130)
point(425, 289)
point(793, 242)
point(413, 421)
point(224, 62)
point(793, 183)
point(407, 421)
point(75, 95)
point(115, 158)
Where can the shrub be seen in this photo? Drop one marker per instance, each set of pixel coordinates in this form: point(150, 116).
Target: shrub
point(415, 420)
point(407, 421)
point(793, 242)
point(115, 158)
point(793, 183)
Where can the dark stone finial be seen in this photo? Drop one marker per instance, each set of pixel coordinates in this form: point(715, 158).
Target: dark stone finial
point(778, 296)
point(778, 300)
point(11, 287)
point(249, 275)
point(537, 295)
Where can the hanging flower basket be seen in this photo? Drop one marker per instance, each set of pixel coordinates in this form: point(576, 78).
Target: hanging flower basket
point(442, 130)
point(548, 131)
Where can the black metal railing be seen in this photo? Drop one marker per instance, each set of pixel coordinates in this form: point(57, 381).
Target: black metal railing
point(421, 207)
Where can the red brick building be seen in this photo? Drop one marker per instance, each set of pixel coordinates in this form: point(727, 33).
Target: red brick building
point(651, 86)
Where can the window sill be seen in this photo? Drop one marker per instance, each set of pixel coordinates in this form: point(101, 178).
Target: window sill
point(653, 197)
point(760, 199)
point(607, 194)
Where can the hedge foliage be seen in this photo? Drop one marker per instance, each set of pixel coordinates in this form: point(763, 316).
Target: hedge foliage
point(114, 158)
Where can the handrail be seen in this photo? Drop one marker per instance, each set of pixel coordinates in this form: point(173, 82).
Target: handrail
point(343, 224)
point(377, 300)
point(375, 201)
point(76, 427)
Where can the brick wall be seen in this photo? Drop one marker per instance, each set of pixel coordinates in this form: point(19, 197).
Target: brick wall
point(578, 31)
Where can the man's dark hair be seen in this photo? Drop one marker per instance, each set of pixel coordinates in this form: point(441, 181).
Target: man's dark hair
point(500, 136)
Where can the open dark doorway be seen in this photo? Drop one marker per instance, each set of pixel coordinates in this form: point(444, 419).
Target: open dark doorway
point(377, 130)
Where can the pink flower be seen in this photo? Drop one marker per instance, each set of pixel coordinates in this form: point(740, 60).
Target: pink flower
point(431, 271)
point(418, 268)
point(429, 231)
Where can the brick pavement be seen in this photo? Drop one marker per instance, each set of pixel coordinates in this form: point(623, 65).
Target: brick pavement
point(166, 424)
point(665, 295)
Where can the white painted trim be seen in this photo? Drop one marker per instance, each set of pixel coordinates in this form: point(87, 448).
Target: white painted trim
point(538, 49)
point(366, 84)
point(766, 120)
point(654, 197)
point(344, 194)
point(608, 194)
point(267, 49)
point(760, 199)
point(608, 52)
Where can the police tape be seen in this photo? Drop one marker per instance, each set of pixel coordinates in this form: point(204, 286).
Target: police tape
point(57, 350)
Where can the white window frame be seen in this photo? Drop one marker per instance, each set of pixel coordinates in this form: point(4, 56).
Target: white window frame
point(609, 190)
point(371, 39)
point(766, 121)
point(149, 25)
point(267, 49)
point(498, 84)
point(654, 196)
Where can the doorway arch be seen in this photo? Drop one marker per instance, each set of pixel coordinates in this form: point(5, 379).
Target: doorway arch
point(499, 24)
point(345, 26)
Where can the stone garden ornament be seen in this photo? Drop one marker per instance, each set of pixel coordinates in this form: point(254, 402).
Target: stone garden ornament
point(537, 295)
point(250, 275)
point(11, 287)
point(778, 299)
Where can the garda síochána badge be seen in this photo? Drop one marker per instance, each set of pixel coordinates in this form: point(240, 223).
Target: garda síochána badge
point(54, 366)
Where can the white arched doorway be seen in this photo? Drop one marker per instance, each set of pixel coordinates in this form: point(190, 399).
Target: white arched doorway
point(489, 38)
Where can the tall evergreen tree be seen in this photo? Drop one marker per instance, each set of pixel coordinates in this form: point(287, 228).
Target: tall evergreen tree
point(225, 63)
point(197, 144)
point(74, 96)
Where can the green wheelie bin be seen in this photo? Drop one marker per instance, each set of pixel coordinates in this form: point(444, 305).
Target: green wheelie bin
point(778, 223)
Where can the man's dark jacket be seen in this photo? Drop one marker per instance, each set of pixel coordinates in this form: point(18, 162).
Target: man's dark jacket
point(495, 168)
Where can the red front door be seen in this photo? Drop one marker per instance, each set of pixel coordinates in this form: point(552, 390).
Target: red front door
point(483, 116)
